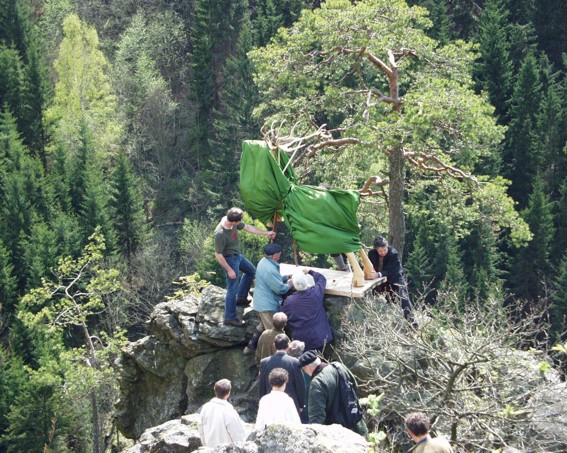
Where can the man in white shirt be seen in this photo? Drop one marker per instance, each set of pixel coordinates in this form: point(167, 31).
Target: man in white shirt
point(219, 422)
point(277, 406)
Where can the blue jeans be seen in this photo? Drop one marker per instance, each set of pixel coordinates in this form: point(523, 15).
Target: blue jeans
point(239, 287)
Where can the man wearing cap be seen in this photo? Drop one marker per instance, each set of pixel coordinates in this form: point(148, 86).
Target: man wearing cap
point(295, 387)
point(323, 391)
point(268, 292)
point(227, 253)
point(306, 315)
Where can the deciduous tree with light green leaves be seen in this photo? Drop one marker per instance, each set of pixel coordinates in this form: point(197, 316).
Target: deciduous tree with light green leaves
point(83, 92)
point(407, 106)
point(75, 299)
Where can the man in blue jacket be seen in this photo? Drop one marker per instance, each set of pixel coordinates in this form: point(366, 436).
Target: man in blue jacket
point(306, 315)
point(268, 292)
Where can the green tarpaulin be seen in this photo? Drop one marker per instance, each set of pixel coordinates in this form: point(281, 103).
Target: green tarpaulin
point(321, 221)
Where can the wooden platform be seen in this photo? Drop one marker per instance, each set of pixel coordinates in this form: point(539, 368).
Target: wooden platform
point(338, 283)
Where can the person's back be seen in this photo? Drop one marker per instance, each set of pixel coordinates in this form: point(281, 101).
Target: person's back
point(306, 315)
point(418, 424)
point(434, 445)
point(219, 422)
point(295, 384)
point(277, 406)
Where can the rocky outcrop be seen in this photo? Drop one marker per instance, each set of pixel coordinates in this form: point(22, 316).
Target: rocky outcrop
point(182, 435)
point(172, 372)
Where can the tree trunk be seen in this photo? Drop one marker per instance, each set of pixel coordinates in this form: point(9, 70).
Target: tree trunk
point(97, 431)
point(397, 220)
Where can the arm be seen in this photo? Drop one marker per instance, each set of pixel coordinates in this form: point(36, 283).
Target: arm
point(317, 402)
point(253, 230)
point(222, 261)
point(276, 282)
point(300, 386)
point(262, 380)
point(235, 428)
point(392, 266)
point(320, 284)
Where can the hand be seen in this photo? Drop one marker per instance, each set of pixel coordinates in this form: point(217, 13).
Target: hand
point(305, 271)
point(231, 274)
point(271, 234)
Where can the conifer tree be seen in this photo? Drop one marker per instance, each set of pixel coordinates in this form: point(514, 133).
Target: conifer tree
point(23, 192)
point(126, 206)
point(8, 282)
point(234, 120)
point(494, 68)
point(94, 211)
point(558, 308)
point(481, 261)
point(531, 272)
point(559, 244)
point(518, 154)
point(439, 14)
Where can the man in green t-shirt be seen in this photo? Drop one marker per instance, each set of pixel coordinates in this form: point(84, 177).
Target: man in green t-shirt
point(227, 253)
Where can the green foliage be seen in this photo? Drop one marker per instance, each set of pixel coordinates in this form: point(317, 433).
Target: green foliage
point(531, 273)
point(8, 281)
point(126, 207)
point(519, 160)
point(558, 308)
point(75, 299)
point(443, 127)
point(494, 67)
point(189, 285)
point(83, 94)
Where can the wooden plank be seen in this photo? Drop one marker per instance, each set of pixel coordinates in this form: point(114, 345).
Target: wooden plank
point(338, 283)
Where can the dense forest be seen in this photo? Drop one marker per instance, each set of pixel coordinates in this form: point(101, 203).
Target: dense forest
point(121, 125)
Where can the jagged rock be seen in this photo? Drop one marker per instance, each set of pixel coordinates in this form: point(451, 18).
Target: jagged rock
point(310, 438)
point(204, 370)
point(182, 435)
point(152, 387)
point(173, 371)
point(174, 436)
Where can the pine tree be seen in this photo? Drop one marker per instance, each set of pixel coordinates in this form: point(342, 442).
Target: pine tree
point(94, 212)
point(481, 261)
point(234, 120)
point(40, 253)
point(524, 106)
point(558, 308)
point(439, 15)
point(18, 32)
point(532, 273)
point(419, 263)
point(23, 192)
point(127, 206)
point(8, 282)
point(559, 244)
point(494, 68)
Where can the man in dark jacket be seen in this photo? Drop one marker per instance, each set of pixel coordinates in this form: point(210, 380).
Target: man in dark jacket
point(324, 391)
point(296, 385)
point(386, 262)
point(306, 316)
